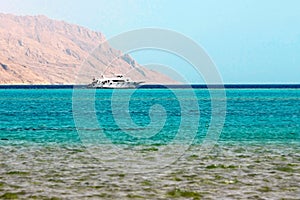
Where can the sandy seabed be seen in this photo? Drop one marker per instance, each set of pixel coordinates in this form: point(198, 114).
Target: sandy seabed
point(229, 171)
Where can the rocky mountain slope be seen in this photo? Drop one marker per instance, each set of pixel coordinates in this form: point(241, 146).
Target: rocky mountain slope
point(39, 50)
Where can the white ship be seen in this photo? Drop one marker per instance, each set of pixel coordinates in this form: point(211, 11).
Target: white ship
point(116, 82)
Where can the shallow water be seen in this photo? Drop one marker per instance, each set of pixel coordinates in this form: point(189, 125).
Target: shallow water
point(257, 155)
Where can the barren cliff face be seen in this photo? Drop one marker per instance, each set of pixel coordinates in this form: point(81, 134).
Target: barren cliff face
point(39, 50)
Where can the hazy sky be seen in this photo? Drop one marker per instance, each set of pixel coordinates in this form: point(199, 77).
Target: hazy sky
point(250, 41)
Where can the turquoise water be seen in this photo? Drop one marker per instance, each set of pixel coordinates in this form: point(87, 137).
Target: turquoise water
point(44, 116)
point(256, 155)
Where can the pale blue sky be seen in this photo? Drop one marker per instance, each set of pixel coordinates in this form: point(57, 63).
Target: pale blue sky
point(250, 41)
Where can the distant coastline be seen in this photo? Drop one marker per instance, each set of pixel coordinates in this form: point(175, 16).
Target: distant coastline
point(157, 86)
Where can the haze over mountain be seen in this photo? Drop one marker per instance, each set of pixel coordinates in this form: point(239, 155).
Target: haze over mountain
point(39, 50)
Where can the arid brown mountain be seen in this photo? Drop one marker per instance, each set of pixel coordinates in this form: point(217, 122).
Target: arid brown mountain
point(39, 50)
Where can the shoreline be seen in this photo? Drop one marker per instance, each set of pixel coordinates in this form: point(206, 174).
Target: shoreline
point(160, 86)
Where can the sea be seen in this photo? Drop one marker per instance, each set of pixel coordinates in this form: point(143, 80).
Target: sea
point(237, 142)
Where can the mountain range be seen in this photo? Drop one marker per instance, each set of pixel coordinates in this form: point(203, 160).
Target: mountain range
point(39, 50)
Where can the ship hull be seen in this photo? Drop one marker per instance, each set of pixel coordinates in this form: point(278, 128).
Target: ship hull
point(119, 86)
